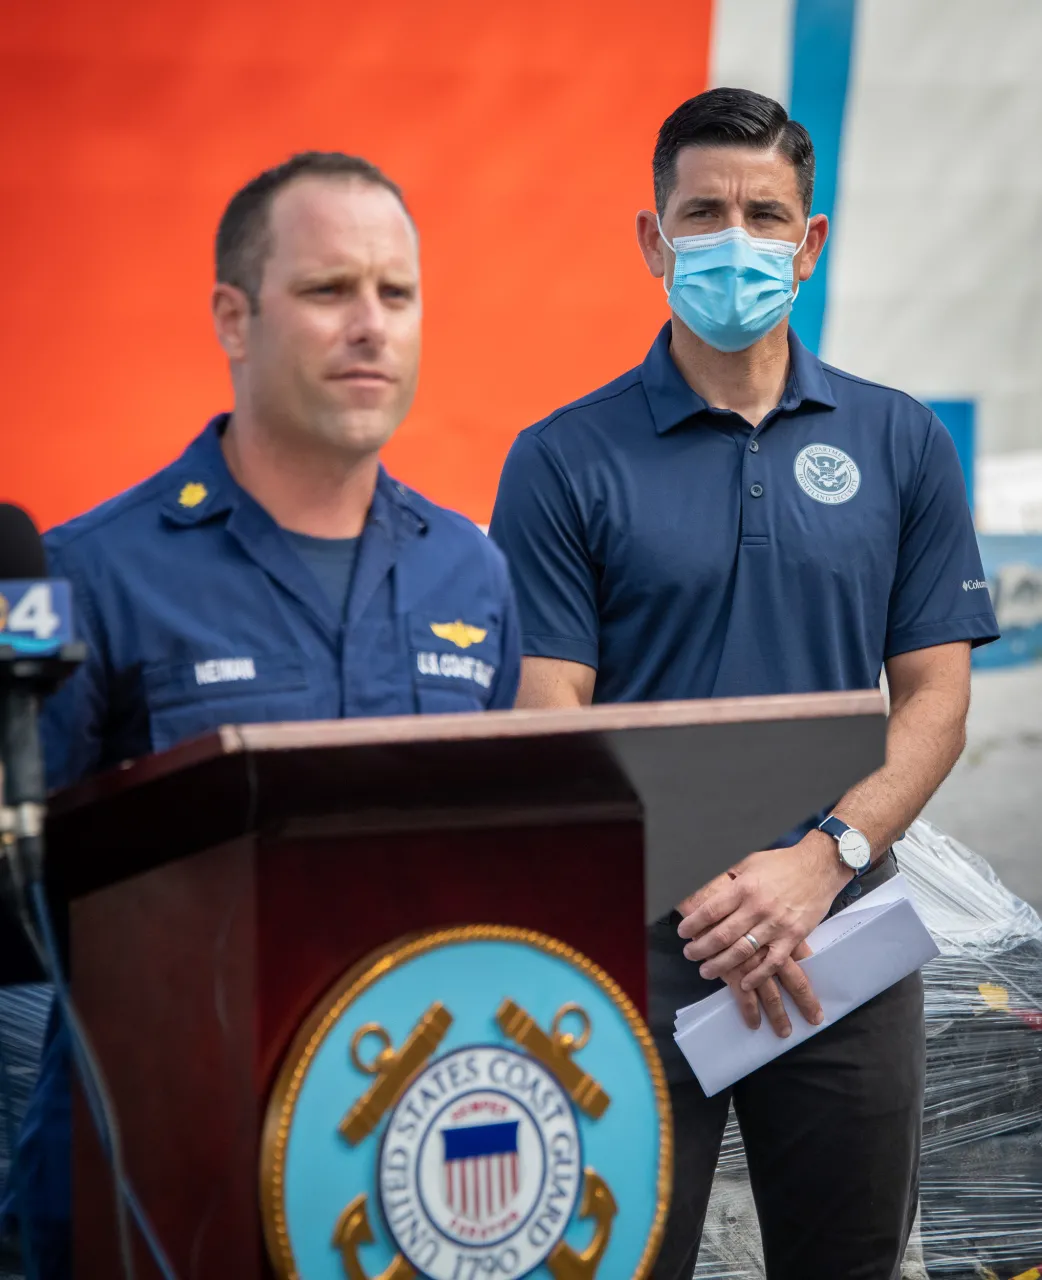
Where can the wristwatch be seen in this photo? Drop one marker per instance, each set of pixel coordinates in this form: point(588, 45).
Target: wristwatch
point(854, 850)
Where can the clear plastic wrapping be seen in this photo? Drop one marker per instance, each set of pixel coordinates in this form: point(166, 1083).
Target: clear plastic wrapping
point(981, 1191)
point(23, 1017)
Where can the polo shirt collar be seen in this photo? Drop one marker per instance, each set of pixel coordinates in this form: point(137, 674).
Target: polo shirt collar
point(672, 401)
point(807, 382)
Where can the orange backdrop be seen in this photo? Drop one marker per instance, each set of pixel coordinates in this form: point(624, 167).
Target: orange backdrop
point(521, 133)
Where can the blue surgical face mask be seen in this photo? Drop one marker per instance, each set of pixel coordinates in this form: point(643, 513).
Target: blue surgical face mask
point(730, 288)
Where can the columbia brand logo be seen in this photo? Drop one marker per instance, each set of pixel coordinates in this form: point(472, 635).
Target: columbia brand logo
point(974, 584)
point(221, 670)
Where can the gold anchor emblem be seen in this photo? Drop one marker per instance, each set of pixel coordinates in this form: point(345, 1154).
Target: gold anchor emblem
point(555, 1051)
point(353, 1229)
point(391, 1069)
point(599, 1204)
point(564, 1263)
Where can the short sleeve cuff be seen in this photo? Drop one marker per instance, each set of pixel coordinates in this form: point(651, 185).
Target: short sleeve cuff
point(978, 629)
point(562, 648)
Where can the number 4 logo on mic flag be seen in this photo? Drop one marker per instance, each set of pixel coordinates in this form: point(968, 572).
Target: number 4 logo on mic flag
point(35, 617)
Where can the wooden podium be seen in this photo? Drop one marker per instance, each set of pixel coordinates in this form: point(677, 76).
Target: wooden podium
point(217, 890)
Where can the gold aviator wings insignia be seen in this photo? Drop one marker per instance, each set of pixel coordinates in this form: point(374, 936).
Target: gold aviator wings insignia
point(462, 634)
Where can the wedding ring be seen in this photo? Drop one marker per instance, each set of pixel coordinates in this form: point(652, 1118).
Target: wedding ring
point(752, 942)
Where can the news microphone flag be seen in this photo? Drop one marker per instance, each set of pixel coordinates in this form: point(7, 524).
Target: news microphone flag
point(35, 617)
point(35, 610)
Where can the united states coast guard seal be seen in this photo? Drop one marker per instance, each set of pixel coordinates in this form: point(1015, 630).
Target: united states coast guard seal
point(474, 1103)
point(481, 1162)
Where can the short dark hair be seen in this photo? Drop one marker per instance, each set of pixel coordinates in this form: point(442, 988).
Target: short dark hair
point(244, 233)
point(731, 118)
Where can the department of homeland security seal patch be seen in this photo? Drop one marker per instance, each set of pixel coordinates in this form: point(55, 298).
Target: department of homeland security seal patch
point(826, 473)
point(475, 1103)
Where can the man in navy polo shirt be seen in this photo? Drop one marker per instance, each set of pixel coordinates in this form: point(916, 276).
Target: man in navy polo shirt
point(734, 517)
point(275, 571)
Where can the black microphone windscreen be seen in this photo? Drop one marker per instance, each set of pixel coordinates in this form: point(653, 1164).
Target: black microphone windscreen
point(21, 550)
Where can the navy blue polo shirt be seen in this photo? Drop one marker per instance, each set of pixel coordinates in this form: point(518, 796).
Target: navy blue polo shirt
point(198, 610)
point(684, 554)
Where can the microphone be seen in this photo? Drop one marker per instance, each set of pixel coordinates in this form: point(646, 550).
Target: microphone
point(37, 652)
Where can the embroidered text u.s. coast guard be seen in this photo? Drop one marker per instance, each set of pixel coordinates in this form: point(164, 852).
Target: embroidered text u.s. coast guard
point(452, 666)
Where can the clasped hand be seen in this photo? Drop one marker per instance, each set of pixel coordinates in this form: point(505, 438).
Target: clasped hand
point(777, 896)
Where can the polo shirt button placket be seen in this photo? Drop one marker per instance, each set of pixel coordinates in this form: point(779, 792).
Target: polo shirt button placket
point(754, 516)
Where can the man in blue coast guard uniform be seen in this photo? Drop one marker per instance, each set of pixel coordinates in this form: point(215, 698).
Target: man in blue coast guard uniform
point(275, 571)
point(734, 517)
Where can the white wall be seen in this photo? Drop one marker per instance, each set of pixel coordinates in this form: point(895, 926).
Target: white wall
point(935, 281)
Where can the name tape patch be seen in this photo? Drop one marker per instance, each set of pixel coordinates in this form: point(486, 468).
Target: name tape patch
point(223, 670)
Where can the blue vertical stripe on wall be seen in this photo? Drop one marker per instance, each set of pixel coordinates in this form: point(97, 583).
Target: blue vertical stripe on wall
point(822, 44)
point(959, 416)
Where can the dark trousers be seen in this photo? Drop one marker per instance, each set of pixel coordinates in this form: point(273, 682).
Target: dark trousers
point(831, 1132)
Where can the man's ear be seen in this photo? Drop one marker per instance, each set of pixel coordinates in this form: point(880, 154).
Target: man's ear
point(230, 308)
point(655, 253)
point(817, 234)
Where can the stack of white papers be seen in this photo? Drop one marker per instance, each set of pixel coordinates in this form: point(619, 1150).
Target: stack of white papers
point(858, 953)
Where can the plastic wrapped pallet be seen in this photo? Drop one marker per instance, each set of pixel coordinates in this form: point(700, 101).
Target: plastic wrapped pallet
point(981, 1195)
point(23, 1016)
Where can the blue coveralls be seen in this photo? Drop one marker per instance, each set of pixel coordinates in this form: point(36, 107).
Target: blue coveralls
point(198, 611)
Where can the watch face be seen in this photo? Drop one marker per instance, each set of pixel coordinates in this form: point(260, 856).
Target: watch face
point(855, 850)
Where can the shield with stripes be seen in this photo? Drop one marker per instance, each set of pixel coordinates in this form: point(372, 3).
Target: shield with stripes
point(482, 1170)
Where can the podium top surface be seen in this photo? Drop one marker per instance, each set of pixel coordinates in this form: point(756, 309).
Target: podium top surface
point(490, 728)
point(713, 779)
